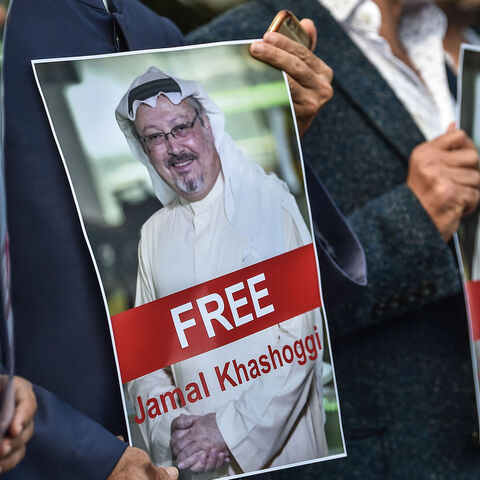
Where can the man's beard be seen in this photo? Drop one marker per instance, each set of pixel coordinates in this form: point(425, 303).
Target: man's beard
point(186, 182)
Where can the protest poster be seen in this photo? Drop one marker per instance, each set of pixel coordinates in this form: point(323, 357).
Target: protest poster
point(187, 174)
point(468, 240)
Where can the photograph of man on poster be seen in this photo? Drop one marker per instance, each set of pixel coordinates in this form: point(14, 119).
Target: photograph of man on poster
point(220, 213)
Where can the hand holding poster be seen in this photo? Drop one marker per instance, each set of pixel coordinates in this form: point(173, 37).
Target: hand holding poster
point(221, 357)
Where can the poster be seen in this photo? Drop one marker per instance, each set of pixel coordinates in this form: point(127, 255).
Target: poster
point(468, 238)
point(194, 209)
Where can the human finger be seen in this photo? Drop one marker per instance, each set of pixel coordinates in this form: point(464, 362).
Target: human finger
point(164, 473)
point(287, 54)
point(216, 459)
point(172, 472)
point(465, 176)
point(177, 435)
point(188, 451)
point(222, 458)
point(305, 103)
point(309, 77)
point(310, 28)
point(306, 73)
point(183, 421)
point(18, 442)
point(10, 445)
point(453, 140)
point(464, 157)
point(11, 460)
point(469, 198)
point(211, 460)
point(178, 444)
point(194, 462)
point(25, 406)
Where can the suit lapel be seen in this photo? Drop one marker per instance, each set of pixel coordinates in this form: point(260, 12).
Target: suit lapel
point(359, 80)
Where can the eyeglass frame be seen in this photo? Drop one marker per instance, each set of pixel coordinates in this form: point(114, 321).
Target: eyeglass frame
point(164, 135)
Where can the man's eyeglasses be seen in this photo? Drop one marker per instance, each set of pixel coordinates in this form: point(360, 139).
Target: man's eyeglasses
point(182, 130)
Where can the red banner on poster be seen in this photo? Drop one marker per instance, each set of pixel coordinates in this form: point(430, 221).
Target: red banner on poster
point(215, 313)
point(473, 294)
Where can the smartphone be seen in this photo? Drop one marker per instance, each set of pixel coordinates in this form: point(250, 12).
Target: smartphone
point(286, 23)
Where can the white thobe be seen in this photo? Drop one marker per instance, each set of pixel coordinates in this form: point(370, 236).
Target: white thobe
point(275, 419)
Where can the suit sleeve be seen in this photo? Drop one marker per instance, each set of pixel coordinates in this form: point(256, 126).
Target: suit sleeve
point(409, 264)
point(66, 444)
point(341, 258)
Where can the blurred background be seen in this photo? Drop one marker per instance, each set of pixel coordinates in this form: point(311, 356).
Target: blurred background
point(189, 14)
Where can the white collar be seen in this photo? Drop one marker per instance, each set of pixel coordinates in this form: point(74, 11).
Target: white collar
point(341, 9)
point(364, 16)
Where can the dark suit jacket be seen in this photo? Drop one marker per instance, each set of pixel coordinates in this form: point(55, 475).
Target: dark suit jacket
point(62, 337)
point(400, 346)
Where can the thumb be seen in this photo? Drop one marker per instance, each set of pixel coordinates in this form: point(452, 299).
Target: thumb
point(309, 27)
point(172, 473)
point(183, 421)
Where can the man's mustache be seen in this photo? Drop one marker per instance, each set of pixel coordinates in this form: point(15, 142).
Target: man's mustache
point(175, 159)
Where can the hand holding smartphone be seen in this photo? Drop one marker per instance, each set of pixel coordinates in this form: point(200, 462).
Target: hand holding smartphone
point(288, 45)
point(286, 23)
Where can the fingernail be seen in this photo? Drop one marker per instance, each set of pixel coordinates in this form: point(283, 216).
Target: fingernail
point(257, 47)
point(7, 449)
point(181, 465)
